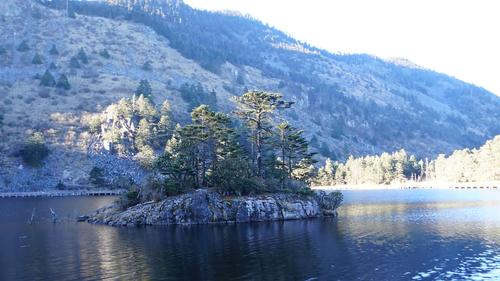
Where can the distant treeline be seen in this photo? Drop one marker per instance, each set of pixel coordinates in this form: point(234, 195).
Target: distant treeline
point(465, 165)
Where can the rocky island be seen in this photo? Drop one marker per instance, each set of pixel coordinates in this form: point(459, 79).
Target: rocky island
point(205, 206)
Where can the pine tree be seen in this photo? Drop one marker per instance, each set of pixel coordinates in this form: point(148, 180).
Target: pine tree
point(143, 108)
point(105, 54)
point(256, 109)
point(147, 66)
point(74, 63)
point(143, 135)
point(144, 88)
point(63, 82)
point(52, 66)
point(82, 56)
point(37, 59)
point(47, 79)
point(23, 47)
point(53, 50)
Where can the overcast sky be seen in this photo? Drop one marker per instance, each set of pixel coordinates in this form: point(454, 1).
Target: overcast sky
point(460, 38)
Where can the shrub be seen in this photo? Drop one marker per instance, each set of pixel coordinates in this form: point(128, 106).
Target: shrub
point(96, 177)
point(60, 185)
point(44, 93)
point(63, 82)
point(3, 50)
point(35, 150)
point(306, 191)
point(37, 59)
point(129, 199)
point(23, 47)
point(47, 79)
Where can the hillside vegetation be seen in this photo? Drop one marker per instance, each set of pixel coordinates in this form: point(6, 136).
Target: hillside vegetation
point(58, 73)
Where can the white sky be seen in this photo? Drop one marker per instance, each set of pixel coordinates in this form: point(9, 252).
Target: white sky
point(458, 37)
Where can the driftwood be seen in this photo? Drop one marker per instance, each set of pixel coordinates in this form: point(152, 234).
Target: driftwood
point(54, 215)
point(30, 221)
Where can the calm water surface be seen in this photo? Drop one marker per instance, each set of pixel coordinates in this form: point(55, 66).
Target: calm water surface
point(379, 235)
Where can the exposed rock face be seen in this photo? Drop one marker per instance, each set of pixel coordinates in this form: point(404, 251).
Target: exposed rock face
point(203, 206)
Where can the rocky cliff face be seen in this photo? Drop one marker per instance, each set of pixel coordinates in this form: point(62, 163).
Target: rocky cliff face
point(203, 206)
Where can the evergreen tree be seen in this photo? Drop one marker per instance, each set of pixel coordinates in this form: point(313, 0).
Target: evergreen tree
point(53, 50)
point(47, 79)
point(74, 63)
point(164, 126)
point(144, 88)
point(147, 66)
point(82, 56)
point(23, 47)
point(143, 135)
point(256, 109)
point(176, 163)
point(37, 59)
point(293, 150)
point(105, 54)
point(143, 108)
point(52, 66)
point(63, 82)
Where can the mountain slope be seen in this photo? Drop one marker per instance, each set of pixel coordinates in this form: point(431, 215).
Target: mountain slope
point(365, 104)
point(352, 104)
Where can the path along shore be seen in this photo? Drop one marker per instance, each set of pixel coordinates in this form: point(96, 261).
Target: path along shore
point(491, 185)
point(62, 193)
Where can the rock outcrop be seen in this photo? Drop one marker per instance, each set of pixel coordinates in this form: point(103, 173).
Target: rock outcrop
point(204, 206)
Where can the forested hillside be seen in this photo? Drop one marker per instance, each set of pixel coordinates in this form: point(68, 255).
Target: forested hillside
point(353, 104)
point(466, 165)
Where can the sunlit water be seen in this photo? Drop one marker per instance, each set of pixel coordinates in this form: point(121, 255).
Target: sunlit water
point(379, 235)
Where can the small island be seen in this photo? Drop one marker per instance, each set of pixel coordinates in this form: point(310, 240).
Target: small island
point(217, 169)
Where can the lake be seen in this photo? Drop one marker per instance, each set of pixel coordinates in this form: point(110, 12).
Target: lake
point(379, 235)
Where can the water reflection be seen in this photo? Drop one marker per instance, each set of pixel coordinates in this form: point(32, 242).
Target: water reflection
point(387, 236)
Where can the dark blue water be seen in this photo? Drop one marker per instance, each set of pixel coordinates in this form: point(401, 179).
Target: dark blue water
point(379, 235)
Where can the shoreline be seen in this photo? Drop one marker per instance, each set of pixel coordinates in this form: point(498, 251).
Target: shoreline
point(62, 193)
point(488, 185)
